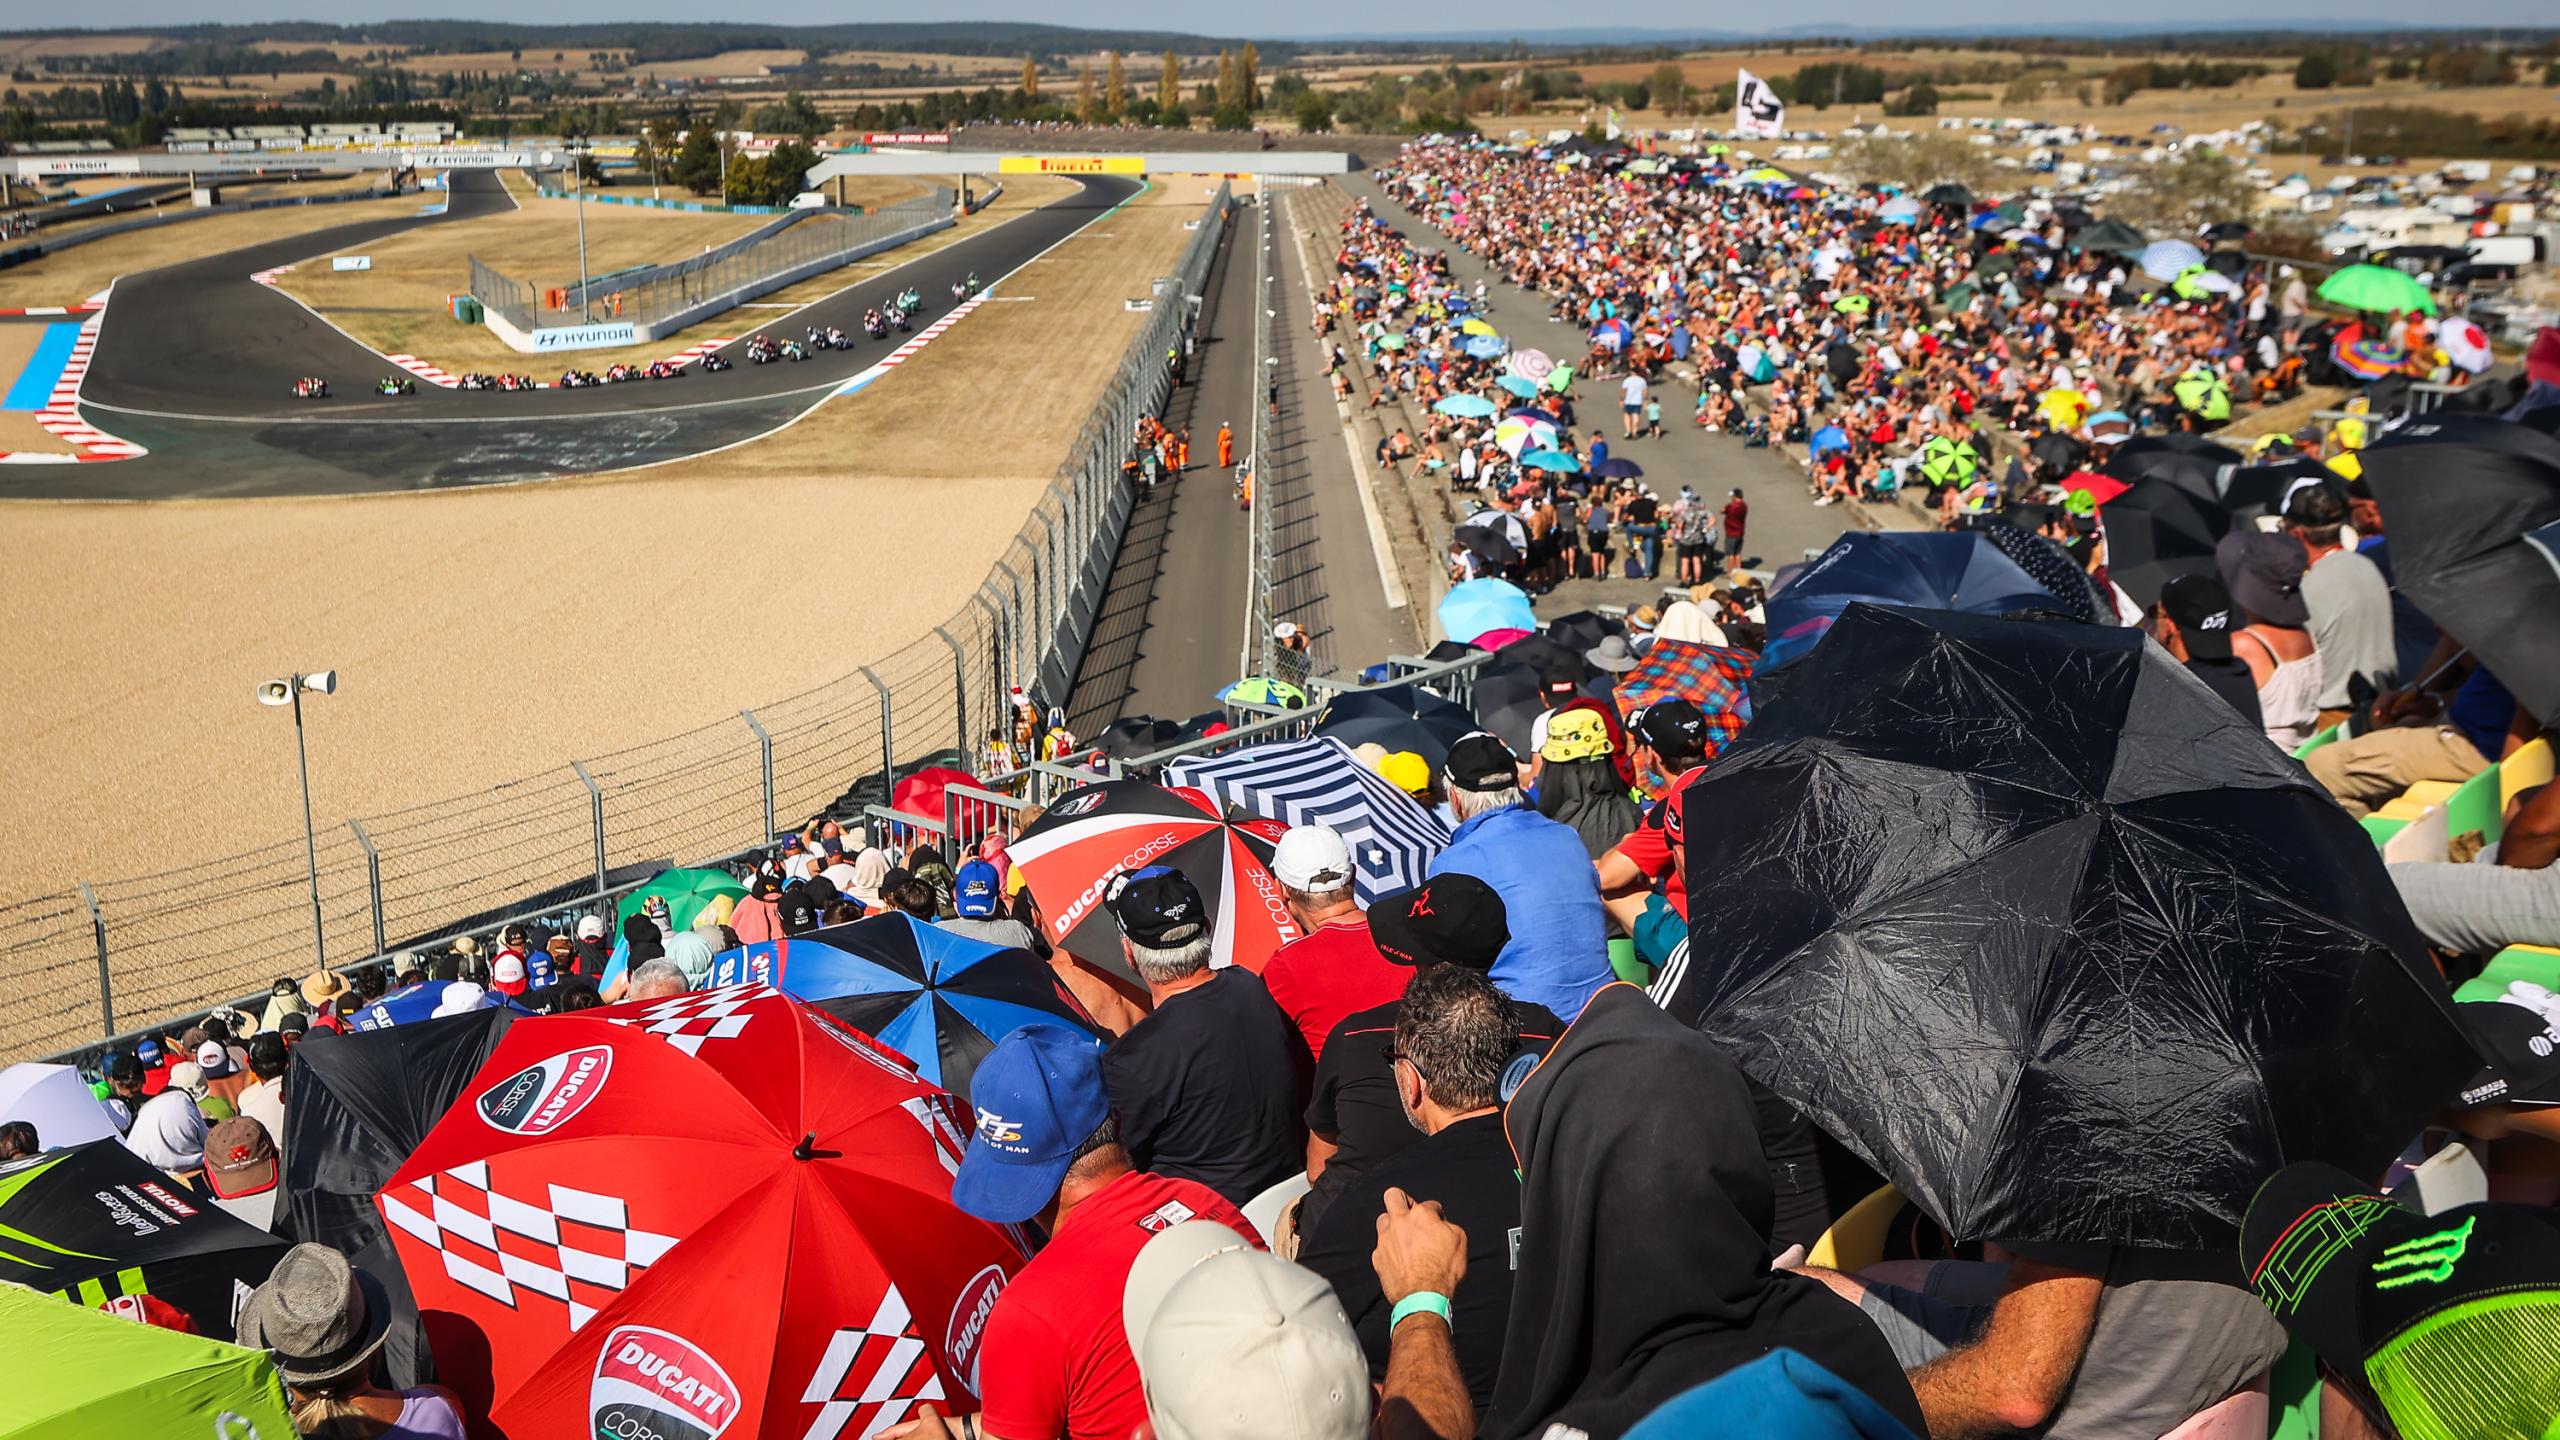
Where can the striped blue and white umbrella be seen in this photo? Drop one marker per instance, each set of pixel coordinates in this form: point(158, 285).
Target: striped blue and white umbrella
point(1320, 782)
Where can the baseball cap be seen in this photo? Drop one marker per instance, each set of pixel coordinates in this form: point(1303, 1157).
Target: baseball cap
point(2519, 1033)
point(147, 1050)
point(1576, 735)
point(1481, 762)
point(1239, 1344)
point(1676, 725)
point(2444, 1323)
point(507, 975)
point(239, 1158)
point(2264, 572)
point(2202, 609)
point(1157, 907)
point(1407, 771)
point(591, 928)
point(1038, 1095)
point(973, 890)
point(188, 1076)
point(458, 997)
point(1312, 859)
point(1453, 918)
point(213, 1059)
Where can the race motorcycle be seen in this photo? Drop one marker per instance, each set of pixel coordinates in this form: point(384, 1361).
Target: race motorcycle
point(310, 387)
point(910, 300)
point(477, 381)
point(763, 349)
point(717, 362)
point(395, 385)
point(620, 374)
point(579, 380)
point(874, 324)
point(665, 370)
point(516, 382)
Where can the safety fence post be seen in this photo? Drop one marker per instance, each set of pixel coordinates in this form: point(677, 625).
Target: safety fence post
point(888, 745)
point(106, 987)
point(595, 802)
point(1014, 640)
point(372, 881)
point(764, 747)
point(959, 695)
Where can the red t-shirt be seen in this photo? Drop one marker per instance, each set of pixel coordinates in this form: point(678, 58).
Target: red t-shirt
point(1055, 1361)
point(1654, 846)
point(1320, 978)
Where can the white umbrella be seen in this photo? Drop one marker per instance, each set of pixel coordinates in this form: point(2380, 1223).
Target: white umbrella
point(1320, 782)
point(2465, 344)
point(55, 1100)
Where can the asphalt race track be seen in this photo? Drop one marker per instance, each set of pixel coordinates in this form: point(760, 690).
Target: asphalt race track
point(196, 362)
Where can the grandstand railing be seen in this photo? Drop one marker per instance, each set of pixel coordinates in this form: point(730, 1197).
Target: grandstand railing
point(88, 962)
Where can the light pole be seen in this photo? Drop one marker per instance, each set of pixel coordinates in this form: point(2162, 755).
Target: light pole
point(288, 691)
point(578, 197)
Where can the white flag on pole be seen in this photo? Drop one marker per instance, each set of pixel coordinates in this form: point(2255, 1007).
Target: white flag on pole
point(1758, 113)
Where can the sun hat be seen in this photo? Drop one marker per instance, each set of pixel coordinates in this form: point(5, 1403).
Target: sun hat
point(318, 1314)
point(1312, 859)
point(1240, 1344)
point(322, 986)
point(1575, 735)
point(2264, 573)
point(1038, 1095)
point(188, 1076)
point(1612, 654)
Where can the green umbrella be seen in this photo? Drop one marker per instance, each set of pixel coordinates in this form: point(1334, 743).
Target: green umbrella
point(1559, 378)
point(2190, 284)
point(1853, 304)
point(2201, 391)
point(2113, 237)
point(1959, 292)
point(1390, 342)
point(687, 892)
point(100, 1375)
point(1948, 462)
point(2376, 290)
point(1263, 690)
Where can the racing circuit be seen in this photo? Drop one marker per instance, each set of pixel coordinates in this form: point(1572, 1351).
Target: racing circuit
point(196, 363)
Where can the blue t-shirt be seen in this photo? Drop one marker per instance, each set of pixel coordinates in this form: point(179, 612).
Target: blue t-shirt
point(1559, 951)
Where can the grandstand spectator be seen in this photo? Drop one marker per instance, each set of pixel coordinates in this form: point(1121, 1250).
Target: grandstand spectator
point(241, 1170)
point(588, 948)
point(2480, 909)
point(125, 1095)
point(977, 900)
point(18, 1141)
point(221, 1077)
point(169, 1132)
point(1580, 780)
point(324, 1320)
point(263, 1100)
point(1234, 1342)
point(2449, 732)
point(1205, 1087)
point(655, 980)
point(1047, 1151)
point(1454, 1035)
point(1558, 950)
point(2348, 600)
point(1332, 969)
point(758, 917)
point(2196, 621)
point(2263, 572)
point(188, 1078)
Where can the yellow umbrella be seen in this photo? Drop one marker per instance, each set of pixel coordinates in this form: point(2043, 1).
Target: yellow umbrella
point(2063, 409)
point(1477, 327)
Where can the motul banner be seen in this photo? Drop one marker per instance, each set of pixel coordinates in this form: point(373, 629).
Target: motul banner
point(907, 137)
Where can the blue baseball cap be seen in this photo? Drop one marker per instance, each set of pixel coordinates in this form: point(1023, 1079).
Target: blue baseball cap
point(974, 890)
point(147, 1051)
point(1038, 1094)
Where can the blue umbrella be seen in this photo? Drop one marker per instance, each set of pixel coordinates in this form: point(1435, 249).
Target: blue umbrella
point(1611, 334)
point(1484, 347)
point(1987, 220)
point(1554, 460)
point(940, 999)
point(1472, 608)
point(1828, 439)
point(1518, 386)
point(2163, 259)
point(1900, 212)
point(1470, 407)
point(1616, 468)
point(413, 1003)
point(1958, 571)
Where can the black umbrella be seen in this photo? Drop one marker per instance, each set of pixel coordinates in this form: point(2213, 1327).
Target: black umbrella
point(1509, 696)
point(2459, 495)
point(96, 1221)
point(1949, 194)
point(2113, 237)
point(1487, 544)
point(1133, 735)
point(2190, 462)
point(2230, 263)
point(1583, 629)
point(2035, 923)
point(1555, 663)
point(356, 1105)
point(2058, 453)
point(2254, 490)
point(2157, 531)
point(2225, 230)
point(1398, 717)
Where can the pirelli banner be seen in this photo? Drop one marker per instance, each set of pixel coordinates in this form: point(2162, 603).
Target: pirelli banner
point(1071, 165)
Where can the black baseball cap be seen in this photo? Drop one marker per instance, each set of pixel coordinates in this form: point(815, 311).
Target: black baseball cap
point(1676, 725)
point(1451, 919)
point(1157, 907)
point(2520, 1038)
point(2441, 1322)
point(1481, 762)
point(2203, 611)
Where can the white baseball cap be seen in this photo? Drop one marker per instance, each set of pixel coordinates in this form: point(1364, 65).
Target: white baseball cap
point(1312, 858)
point(591, 928)
point(1239, 1344)
point(458, 998)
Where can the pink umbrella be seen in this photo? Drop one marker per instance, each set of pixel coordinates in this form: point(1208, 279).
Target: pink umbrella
point(1496, 639)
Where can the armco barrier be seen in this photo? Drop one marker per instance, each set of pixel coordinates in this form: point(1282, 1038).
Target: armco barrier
point(87, 964)
point(20, 255)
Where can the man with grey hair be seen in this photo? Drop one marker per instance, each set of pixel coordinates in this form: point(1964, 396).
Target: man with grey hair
point(656, 980)
point(1558, 955)
point(1331, 969)
point(1205, 1086)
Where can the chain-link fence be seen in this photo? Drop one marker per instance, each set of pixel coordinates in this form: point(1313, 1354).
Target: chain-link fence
point(659, 292)
point(89, 964)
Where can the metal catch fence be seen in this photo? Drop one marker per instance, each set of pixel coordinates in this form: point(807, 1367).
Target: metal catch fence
point(92, 962)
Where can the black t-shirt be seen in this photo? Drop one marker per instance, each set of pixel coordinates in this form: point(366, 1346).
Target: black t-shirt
point(1469, 1169)
point(1206, 1088)
point(1643, 510)
point(2231, 680)
point(1355, 1096)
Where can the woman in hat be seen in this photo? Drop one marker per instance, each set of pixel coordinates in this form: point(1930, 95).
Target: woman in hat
point(324, 1320)
point(2263, 571)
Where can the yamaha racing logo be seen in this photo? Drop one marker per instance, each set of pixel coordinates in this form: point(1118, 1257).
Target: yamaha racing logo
point(650, 1385)
point(541, 1098)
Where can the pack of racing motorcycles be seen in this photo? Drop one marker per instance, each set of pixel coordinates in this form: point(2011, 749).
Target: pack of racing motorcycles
point(898, 315)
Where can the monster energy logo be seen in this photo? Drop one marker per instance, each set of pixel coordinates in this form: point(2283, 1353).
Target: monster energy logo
point(2429, 1257)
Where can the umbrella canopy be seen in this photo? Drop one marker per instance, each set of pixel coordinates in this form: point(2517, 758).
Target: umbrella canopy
point(2466, 345)
point(1899, 212)
point(2364, 354)
point(2226, 230)
point(1616, 467)
point(97, 1221)
point(2460, 494)
point(1517, 435)
point(57, 1102)
point(722, 1187)
point(686, 892)
point(2376, 290)
point(1715, 678)
point(1466, 407)
point(1612, 334)
point(356, 1107)
point(1134, 735)
point(1530, 365)
point(1553, 461)
point(1263, 690)
point(1827, 439)
point(1518, 385)
point(1319, 782)
point(2200, 280)
point(412, 1004)
point(1948, 193)
point(1853, 304)
point(941, 1000)
point(2201, 392)
point(2111, 236)
point(1477, 327)
point(2101, 488)
point(2163, 259)
point(1482, 347)
point(1088, 836)
point(2189, 462)
point(2057, 453)
point(1390, 341)
point(919, 792)
point(1948, 571)
point(1398, 718)
point(1583, 629)
point(2062, 409)
point(1509, 695)
point(2033, 922)
point(1475, 606)
point(1487, 543)
point(1948, 462)
point(2253, 490)
point(83, 1372)
point(2156, 531)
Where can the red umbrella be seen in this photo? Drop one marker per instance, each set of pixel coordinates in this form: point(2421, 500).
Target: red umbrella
point(2102, 488)
point(679, 1216)
point(920, 793)
point(1091, 834)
